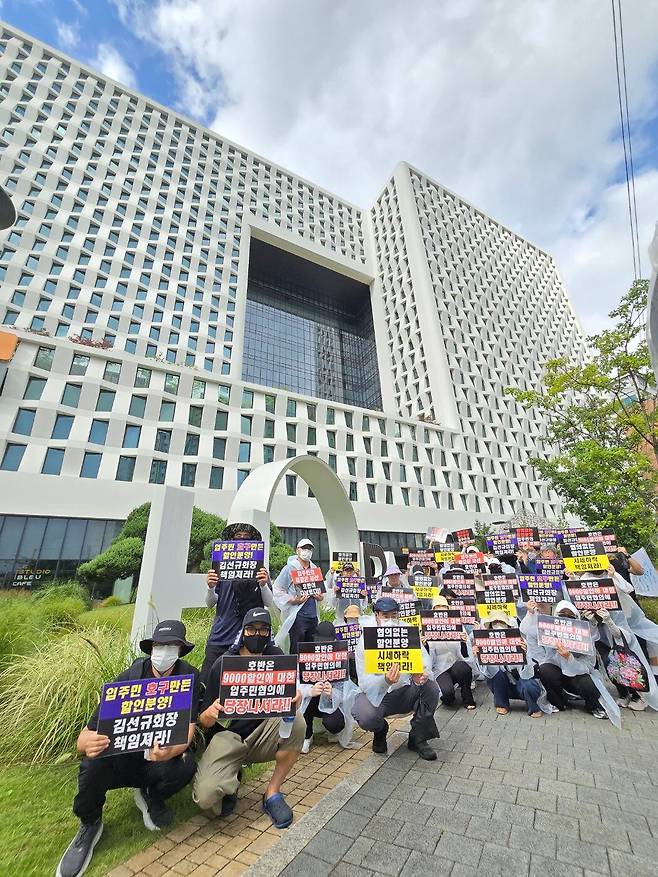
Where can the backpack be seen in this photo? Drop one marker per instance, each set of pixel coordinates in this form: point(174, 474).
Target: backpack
point(625, 668)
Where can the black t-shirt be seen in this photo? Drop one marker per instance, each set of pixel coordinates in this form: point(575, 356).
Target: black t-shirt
point(622, 567)
point(242, 727)
point(180, 668)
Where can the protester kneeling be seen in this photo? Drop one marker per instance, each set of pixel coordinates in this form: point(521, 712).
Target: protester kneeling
point(238, 741)
point(393, 693)
point(449, 667)
point(156, 774)
point(510, 681)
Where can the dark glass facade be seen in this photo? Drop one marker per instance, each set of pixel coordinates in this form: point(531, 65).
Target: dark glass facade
point(34, 550)
point(309, 330)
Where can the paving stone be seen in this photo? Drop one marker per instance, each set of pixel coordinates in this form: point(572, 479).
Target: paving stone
point(536, 842)
point(452, 846)
point(386, 858)
point(359, 850)
point(348, 823)
point(586, 855)
point(541, 800)
point(381, 826)
point(623, 865)
point(498, 860)
point(543, 867)
point(449, 819)
point(344, 869)
point(424, 864)
point(563, 826)
point(475, 806)
point(513, 813)
point(424, 841)
point(493, 830)
point(328, 846)
point(594, 831)
point(362, 803)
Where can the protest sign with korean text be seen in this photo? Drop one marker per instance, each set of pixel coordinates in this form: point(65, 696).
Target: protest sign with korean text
point(467, 608)
point(464, 536)
point(541, 588)
point(553, 568)
point(353, 588)
point(237, 560)
point(137, 714)
point(323, 662)
point(446, 552)
point(339, 558)
point(442, 625)
point(308, 581)
point(593, 594)
point(575, 634)
point(606, 536)
point(494, 599)
point(348, 633)
point(471, 561)
point(499, 646)
point(584, 556)
point(502, 581)
point(436, 534)
point(401, 595)
point(385, 646)
point(410, 612)
point(262, 686)
point(526, 535)
point(462, 583)
point(502, 543)
point(425, 587)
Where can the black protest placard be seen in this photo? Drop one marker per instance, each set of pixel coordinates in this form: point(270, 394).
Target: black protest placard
point(502, 543)
point(349, 633)
point(462, 583)
point(553, 568)
point(340, 558)
point(501, 581)
point(400, 595)
point(385, 646)
point(541, 588)
point(425, 587)
point(137, 714)
point(353, 588)
point(237, 560)
point(464, 536)
point(526, 535)
point(260, 686)
point(323, 662)
point(584, 556)
point(606, 536)
point(442, 625)
point(576, 635)
point(422, 556)
point(594, 594)
point(410, 612)
point(467, 608)
point(499, 646)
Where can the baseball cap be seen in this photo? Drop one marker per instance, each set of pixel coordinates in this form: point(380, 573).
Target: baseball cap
point(305, 543)
point(257, 616)
point(386, 604)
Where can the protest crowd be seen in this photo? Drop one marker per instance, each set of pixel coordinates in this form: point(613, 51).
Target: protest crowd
point(548, 621)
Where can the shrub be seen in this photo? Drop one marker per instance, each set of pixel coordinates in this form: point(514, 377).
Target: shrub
point(18, 625)
point(111, 601)
point(59, 590)
point(121, 560)
point(650, 607)
point(47, 696)
point(55, 614)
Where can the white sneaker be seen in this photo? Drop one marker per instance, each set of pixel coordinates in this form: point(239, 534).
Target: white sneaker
point(637, 704)
point(625, 701)
point(306, 745)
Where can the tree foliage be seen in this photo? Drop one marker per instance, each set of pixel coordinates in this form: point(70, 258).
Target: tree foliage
point(602, 427)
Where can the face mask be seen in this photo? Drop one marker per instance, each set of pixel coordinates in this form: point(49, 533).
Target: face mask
point(256, 643)
point(164, 657)
point(305, 553)
point(532, 555)
point(498, 625)
point(389, 622)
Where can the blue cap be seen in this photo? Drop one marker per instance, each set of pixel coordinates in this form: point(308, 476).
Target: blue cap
point(386, 604)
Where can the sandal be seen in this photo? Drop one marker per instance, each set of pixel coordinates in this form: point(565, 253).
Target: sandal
point(501, 711)
point(279, 812)
point(536, 715)
point(471, 706)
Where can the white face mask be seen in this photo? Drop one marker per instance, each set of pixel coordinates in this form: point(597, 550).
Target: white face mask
point(498, 625)
point(164, 657)
point(389, 622)
point(306, 553)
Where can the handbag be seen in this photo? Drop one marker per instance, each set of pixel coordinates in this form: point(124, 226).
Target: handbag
point(625, 668)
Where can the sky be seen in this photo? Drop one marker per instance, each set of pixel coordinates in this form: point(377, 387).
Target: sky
point(510, 104)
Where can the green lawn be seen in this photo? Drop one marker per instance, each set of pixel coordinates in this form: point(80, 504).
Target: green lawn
point(118, 617)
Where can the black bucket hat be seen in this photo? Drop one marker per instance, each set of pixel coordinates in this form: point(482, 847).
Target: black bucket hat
point(229, 532)
point(168, 632)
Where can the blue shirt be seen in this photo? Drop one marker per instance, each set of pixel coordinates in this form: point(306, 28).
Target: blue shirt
point(227, 624)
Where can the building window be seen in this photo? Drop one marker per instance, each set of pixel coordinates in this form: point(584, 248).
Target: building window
point(24, 421)
point(71, 395)
point(216, 478)
point(219, 448)
point(198, 389)
point(34, 388)
point(291, 432)
point(268, 429)
point(221, 420)
point(331, 416)
point(191, 444)
point(98, 432)
point(268, 453)
point(223, 394)
point(369, 472)
point(405, 495)
point(171, 383)
point(389, 495)
point(349, 442)
point(244, 452)
point(12, 457)
point(245, 424)
point(143, 377)
point(158, 472)
point(137, 406)
point(365, 423)
point(331, 439)
point(62, 427)
point(270, 403)
point(131, 436)
point(353, 494)
point(332, 462)
point(90, 465)
point(79, 364)
point(125, 469)
point(112, 372)
point(291, 485)
point(188, 475)
point(195, 415)
point(105, 400)
point(291, 408)
point(351, 466)
point(371, 493)
point(241, 475)
point(311, 436)
point(163, 440)
point(247, 399)
point(44, 358)
point(52, 462)
point(167, 411)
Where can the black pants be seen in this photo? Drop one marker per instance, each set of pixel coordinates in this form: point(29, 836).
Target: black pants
point(459, 674)
point(212, 653)
point(302, 631)
point(161, 779)
point(422, 700)
point(333, 722)
point(556, 683)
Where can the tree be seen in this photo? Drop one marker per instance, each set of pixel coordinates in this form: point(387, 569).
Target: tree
point(602, 427)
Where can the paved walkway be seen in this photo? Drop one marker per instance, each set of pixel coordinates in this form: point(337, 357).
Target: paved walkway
point(567, 795)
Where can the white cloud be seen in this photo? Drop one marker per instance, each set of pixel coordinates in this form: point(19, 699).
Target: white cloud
point(68, 34)
point(512, 106)
point(110, 62)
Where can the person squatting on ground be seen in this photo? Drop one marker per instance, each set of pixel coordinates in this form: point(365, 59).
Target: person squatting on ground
point(233, 598)
point(299, 612)
point(395, 693)
point(237, 741)
point(449, 667)
point(155, 778)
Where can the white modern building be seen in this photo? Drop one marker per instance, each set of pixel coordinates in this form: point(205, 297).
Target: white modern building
point(186, 310)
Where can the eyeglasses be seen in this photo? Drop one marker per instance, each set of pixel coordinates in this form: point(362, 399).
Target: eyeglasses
point(254, 631)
